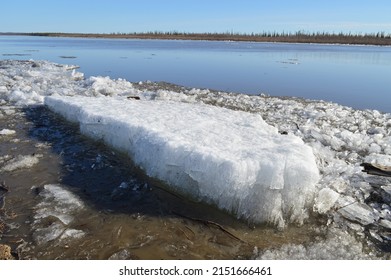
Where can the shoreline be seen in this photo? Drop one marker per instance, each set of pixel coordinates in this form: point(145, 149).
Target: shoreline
point(340, 137)
point(342, 39)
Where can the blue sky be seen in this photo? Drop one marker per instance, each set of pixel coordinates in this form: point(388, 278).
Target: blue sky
point(106, 16)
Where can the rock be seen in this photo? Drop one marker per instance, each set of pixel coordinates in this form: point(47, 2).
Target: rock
point(5, 252)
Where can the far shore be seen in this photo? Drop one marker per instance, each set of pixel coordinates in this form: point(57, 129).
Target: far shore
point(379, 39)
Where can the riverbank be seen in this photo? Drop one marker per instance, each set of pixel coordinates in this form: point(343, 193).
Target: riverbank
point(380, 38)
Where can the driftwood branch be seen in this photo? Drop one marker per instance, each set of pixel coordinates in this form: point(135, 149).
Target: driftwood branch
point(376, 169)
point(4, 187)
point(217, 225)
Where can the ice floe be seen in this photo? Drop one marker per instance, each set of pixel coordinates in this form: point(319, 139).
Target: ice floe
point(228, 158)
point(340, 138)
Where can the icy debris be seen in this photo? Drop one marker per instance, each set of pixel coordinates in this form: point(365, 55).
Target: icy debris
point(172, 96)
point(341, 138)
point(123, 254)
point(5, 158)
point(97, 86)
point(43, 235)
point(21, 162)
point(58, 207)
point(357, 212)
point(325, 200)
point(379, 159)
point(338, 245)
point(231, 159)
point(386, 194)
point(385, 223)
point(22, 98)
point(375, 235)
point(58, 203)
point(8, 111)
point(56, 231)
point(7, 132)
point(72, 234)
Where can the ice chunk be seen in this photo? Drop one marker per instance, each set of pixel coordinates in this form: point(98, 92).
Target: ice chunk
point(58, 208)
point(49, 233)
point(59, 203)
point(228, 158)
point(339, 245)
point(379, 159)
point(357, 212)
point(325, 200)
point(7, 132)
point(21, 98)
point(122, 255)
point(21, 162)
point(72, 234)
point(108, 87)
point(385, 223)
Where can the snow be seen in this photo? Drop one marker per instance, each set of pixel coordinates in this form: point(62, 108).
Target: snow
point(228, 158)
point(340, 138)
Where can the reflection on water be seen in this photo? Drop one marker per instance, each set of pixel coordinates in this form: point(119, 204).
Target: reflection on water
point(355, 76)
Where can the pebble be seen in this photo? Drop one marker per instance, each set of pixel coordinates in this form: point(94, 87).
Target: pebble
point(5, 252)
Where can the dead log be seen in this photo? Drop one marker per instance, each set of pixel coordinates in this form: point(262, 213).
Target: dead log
point(134, 97)
point(4, 187)
point(376, 169)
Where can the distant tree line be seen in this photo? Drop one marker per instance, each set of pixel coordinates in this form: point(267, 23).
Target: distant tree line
point(379, 38)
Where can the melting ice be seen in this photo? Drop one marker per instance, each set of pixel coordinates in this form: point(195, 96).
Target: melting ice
point(232, 159)
point(277, 182)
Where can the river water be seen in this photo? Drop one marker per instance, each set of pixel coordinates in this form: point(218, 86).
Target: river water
point(355, 76)
point(83, 200)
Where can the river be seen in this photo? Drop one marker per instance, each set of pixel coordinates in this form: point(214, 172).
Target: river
point(64, 196)
point(355, 76)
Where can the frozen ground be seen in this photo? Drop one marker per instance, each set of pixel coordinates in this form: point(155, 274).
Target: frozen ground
point(356, 206)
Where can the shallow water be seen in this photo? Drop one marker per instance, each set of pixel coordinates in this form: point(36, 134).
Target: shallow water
point(123, 215)
point(355, 76)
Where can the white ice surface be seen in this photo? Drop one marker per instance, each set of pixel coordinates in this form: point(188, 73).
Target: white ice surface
point(228, 158)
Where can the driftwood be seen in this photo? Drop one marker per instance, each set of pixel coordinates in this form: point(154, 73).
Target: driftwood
point(376, 169)
point(133, 97)
point(211, 223)
point(4, 187)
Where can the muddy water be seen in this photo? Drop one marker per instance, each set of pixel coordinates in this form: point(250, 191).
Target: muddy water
point(124, 214)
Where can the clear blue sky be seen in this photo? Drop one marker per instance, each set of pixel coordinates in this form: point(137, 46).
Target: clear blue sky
point(106, 16)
